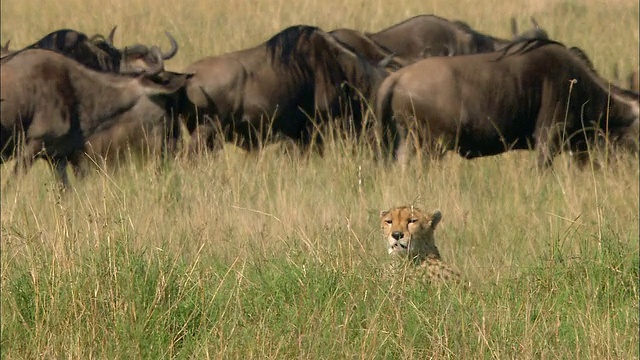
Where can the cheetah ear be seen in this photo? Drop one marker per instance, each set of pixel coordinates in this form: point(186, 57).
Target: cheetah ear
point(384, 213)
point(435, 219)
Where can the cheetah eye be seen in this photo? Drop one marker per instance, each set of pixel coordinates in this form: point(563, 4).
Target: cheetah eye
point(388, 221)
point(412, 220)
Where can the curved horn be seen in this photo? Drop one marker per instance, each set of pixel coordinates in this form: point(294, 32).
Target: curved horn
point(386, 61)
point(174, 48)
point(535, 23)
point(6, 45)
point(111, 33)
point(514, 27)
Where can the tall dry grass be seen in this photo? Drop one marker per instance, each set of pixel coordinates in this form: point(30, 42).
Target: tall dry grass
point(272, 256)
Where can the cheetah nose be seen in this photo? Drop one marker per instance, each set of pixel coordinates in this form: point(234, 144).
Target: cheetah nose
point(397, 235)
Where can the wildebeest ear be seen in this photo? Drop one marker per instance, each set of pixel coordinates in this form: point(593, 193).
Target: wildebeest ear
point(435, 219)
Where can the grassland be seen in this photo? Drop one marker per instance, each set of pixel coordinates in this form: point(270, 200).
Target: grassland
point(272, 256)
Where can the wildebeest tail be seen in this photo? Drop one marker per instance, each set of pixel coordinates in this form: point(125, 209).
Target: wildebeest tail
point(386, 128)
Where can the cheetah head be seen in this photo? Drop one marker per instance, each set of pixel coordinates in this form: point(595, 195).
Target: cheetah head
point(409, 231)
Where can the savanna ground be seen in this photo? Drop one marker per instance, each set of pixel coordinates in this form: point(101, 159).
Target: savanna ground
point(271, 256)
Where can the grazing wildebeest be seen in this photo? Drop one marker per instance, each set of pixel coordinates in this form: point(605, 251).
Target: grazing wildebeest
point(54, 107)
point(430, 35)
point(98, 53)
point(535, 93)
point(289, 85)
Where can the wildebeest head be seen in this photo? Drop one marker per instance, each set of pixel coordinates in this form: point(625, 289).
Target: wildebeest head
point(140, 57)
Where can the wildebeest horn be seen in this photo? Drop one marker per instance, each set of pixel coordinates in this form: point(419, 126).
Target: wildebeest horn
point(386, 61)
point(174, 48)
point(514, 26)
point(535, 23)
point(111, 33)
point(6, 45)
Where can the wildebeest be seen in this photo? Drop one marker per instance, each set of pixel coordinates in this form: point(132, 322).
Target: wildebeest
point(430, 35)
point(100, 54)
point(55, 108)
point(288, 86)
point(535, 93)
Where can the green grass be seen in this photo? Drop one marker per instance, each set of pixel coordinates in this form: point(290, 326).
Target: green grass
point(118, 302)
point(271, 256)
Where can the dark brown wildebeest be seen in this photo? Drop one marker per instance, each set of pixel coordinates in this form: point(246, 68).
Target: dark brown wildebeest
point(430, 35)
point(289, 85)
point(55, 108)
point(98, 53)
point(535, 93)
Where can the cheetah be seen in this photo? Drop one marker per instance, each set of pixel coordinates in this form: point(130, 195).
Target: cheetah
point(409, 234)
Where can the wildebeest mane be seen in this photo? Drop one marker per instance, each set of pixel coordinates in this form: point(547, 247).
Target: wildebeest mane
point(526, 45)
point(463, 26)
point(109, 53)
point(76, 45)
point(61, 40)
point(580, 54)
point(523, 46)
point(64, 39)
point(583, 56)
point(294, 49)
point(283, 47)
point(412, 18)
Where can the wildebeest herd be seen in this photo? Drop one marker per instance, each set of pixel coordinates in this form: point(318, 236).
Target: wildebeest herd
point(427, 84)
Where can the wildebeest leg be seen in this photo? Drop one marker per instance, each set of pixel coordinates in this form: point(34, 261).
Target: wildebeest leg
point(60, 167)
point(583, 158)
point(401, 141)
point(78, 166)
point(548, 145)
point(311, 141)
point(207, 135)
point(247, 136)
point(27, 155)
